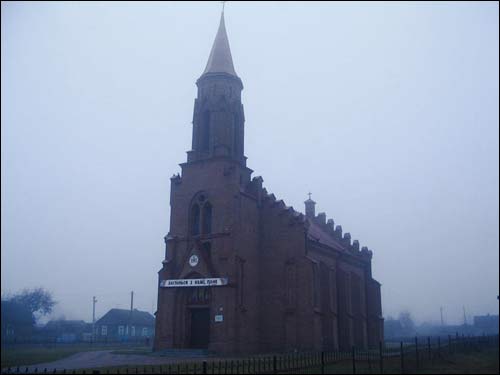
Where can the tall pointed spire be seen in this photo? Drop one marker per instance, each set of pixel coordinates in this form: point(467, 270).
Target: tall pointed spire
point(220, 60)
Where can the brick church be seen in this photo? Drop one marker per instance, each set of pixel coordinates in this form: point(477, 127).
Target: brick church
point(243, 272)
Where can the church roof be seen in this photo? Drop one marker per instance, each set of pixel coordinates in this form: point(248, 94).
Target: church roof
point(220, 59)
point(315, 232)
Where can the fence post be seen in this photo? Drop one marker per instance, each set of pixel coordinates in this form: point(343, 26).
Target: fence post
point(381, 357)
point(204, 367)
point(353, 360)
point(322, 362)
point(275, 368)
point(402, 357)
point(416, 350)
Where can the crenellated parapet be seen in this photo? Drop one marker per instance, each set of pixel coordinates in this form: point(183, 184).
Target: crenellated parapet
point(176, 179)
point(346, 240)
point(330, 224)
point(321, 219)
point(254, 188)
point(270, 199)
point(335, 232)
point(355, 246)
point(366, 253)
point(338, 232)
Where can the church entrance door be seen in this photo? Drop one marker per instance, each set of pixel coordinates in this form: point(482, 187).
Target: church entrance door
point(200, 325)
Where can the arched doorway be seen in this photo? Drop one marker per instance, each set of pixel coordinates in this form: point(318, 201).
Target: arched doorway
point(198, 305)
point(195, 306)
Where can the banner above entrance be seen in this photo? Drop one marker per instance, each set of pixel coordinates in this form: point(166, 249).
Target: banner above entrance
point(179, 283)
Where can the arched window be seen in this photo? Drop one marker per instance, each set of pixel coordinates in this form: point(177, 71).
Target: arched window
point(195, 220)
point(200, 215)
point(207, 218)
point(205, 132)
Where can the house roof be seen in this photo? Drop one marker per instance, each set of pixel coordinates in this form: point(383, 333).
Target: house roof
point(52, 324)
point(124, 317)
point(60, 326)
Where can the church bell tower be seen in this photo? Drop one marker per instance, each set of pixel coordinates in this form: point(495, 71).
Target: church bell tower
point(203, 242)
point(218, 118)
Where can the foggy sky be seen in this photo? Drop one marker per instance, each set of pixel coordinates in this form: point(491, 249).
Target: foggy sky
point(387, 113)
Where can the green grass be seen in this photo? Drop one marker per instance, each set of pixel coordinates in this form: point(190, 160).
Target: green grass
point(20, 356)
point(485, 362)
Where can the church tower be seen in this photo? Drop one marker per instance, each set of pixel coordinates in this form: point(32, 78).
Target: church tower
point(205, 237)
point(218, 113)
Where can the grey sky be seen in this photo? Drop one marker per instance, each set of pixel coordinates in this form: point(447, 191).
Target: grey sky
point(387, 113)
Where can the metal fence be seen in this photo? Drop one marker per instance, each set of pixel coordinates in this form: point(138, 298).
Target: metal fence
point(388, 358)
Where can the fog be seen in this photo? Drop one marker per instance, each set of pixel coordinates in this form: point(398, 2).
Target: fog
point(387, 113)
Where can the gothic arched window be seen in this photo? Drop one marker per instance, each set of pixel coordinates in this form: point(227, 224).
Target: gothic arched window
point(195, 220)
point(207, 218)
point(200, 221)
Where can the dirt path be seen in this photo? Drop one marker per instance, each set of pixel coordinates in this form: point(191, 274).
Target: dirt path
point(102, 358)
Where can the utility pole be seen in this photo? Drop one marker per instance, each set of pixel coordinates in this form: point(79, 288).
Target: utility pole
point(94, 300)
point(441, 310)
point(131, 312)
point(465, 318)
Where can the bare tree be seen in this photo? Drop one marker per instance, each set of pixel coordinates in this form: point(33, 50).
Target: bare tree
point(407, 323)
point(38, 300)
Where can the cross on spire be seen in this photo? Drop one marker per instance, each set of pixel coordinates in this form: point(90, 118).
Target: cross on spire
point(223, 3)
point(309, 195)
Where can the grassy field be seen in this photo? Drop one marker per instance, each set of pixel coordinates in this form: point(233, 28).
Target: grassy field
point(485, 362)
point(17, 356)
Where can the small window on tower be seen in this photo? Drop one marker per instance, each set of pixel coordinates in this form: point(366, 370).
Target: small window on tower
point(236, 135)
point(205, 132)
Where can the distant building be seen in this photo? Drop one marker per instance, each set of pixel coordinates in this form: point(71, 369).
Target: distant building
point(66, 331)
point(125, 325)
point(486, 324)
point(17, 322)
